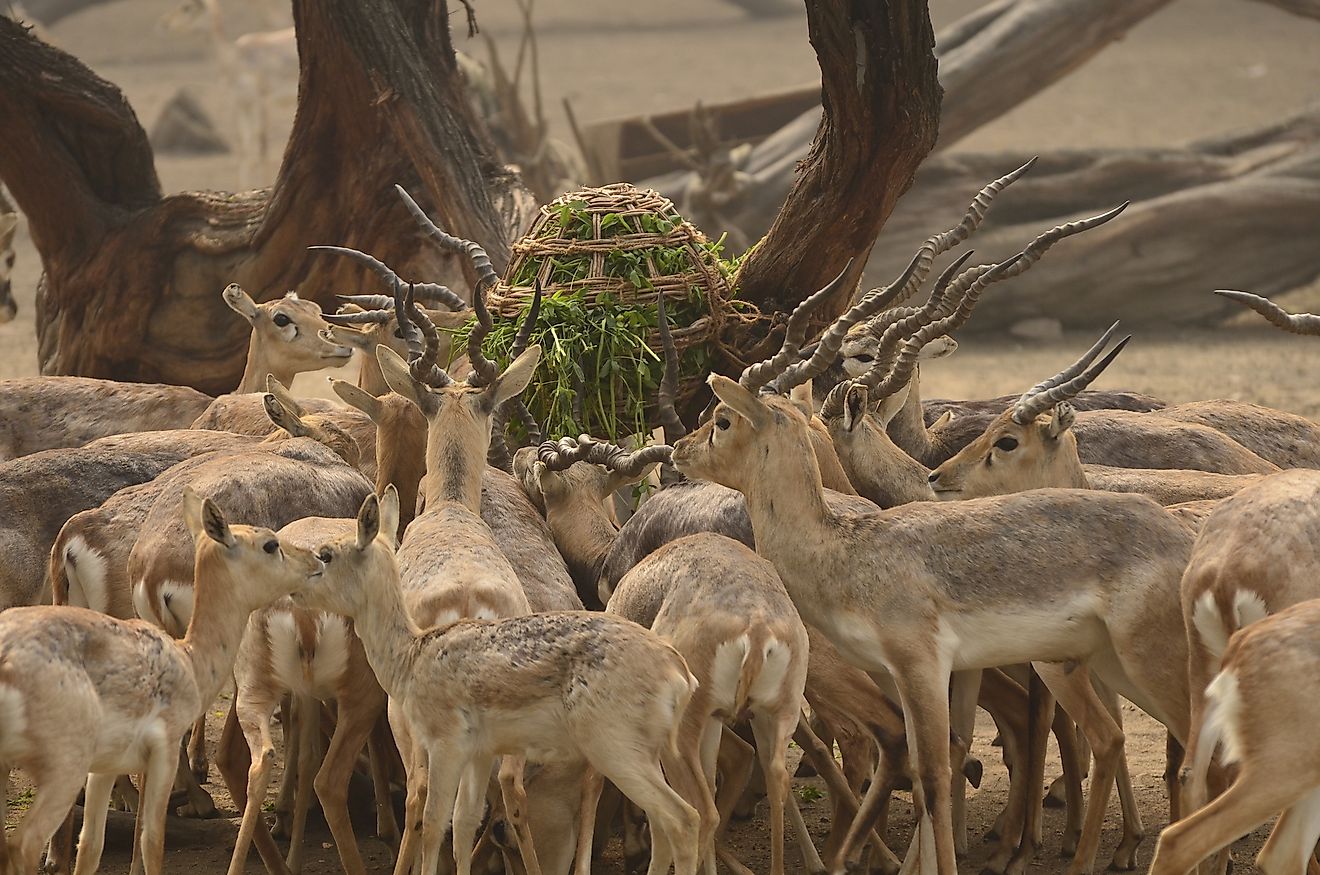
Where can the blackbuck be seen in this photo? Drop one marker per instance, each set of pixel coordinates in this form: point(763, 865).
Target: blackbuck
point(952, 602)
point(1253, 558)
point(70, 720)
point(286, 339)
point(1258, 712)
point(314, 657)
point(553, 687)
point(77, 410)
point(1032, 445)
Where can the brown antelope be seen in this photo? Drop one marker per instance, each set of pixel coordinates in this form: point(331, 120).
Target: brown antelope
point(1246, 564)
point(286, 339)
point(553, 687)
point(725, 611)
point(77, 410)
point(69, 720)
point(1263, 722)
point(315, 657)
point(8, 227)
point(954, 601)
point(1031, 445)
point(41, 491)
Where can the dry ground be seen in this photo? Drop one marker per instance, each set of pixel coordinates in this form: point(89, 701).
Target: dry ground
point(1199, 67)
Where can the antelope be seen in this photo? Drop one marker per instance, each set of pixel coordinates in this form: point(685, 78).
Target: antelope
point(1246, 564)
point(68, 720)
point(1031, 445)
point(286, 339)
point(41, 491)
point(929, 614)
point(555, 687)
point(742, 639)
point(317, 657)
point(1254, 713)
point(378, 316)
point(77, 410)
point(8, 227)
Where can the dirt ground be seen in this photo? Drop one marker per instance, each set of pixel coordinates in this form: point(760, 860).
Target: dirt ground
point(1197, 68)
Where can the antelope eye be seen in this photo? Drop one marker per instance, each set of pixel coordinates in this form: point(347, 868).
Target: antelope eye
point(272, 546)
point(1007, 444)
point(865, 358)
point(281, 319)
point(722, 423)
point(325, 555)
point(398, 332)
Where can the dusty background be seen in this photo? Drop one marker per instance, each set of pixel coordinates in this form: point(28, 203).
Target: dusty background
point(1199, 67)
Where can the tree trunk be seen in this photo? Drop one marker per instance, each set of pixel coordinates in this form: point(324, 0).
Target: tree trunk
point(881, 100)
point(1227, 212)
point(989, 61)
point(133, 279)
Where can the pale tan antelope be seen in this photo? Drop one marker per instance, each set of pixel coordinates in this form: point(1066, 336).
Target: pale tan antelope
point(553, 687)
point(76, 410)
point(1031, 445)
point(724, 609)
point(1259, 712)
point(41, 491)
point(957, 597)
point(8, 227)
point(315, 657)
point(70, 719)
point(286, 339)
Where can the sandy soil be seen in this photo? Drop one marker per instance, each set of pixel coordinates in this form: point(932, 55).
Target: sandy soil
point(1197, 68)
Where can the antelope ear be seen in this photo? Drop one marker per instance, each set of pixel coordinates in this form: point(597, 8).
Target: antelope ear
point(358, 399)
point(389, 516)
point(202, 516)
point(517, 375)
point(854, 405)
point(888, 407)
point(282, 416)
point(368, 522)
point(938, 348)
point(945, 418)
point(240, 302)
point(747, 405)
point(1062, 420)
point(397, 376)
point(280, 391)
point(801, 396)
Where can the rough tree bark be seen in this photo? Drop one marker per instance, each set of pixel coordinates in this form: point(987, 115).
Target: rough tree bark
point(881, 101)
point(133, 278)
point(1236, 211)
point(989, 61)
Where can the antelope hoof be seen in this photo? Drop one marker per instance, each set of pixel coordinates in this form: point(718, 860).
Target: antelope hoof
point(1069, 846)
point(805, 769)
point(1125, 856)
point(972, 770)
point(1055, 796)
point(207, 811)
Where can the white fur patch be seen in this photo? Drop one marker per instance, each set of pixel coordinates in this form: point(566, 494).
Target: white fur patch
point(142, 605)
point(774, 667)
point(176, 606)
point(725, 669)
point(1248, 607)
point(1209, 625)
point(331, 660)
point(85, 569)
point(282, 638)
point(13, 722)
point(1222, 716)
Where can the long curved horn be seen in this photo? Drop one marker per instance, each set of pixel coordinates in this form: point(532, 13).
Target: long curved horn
point(363, 317)
point(369, 302)
point(758, 375)
point(1074, 369)
point(484, 371)
point(670, 421)
point(424, 368)
point(941, 243)
point(520, 340)
point(902, 328)
point(559, 455)
point(427, 291)
point(486, 275)
point(1297, 323)
point(1062, 387)
point(827, 350)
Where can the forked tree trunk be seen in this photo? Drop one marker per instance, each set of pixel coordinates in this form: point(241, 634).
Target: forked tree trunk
point(881, 100)
point(133, 279)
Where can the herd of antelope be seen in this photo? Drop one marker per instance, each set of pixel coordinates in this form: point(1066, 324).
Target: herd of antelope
point(827, 560)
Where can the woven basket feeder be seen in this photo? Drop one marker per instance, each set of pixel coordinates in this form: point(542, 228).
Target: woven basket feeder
point(607, 241)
